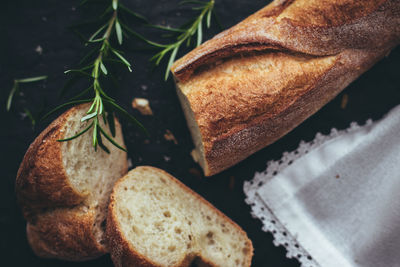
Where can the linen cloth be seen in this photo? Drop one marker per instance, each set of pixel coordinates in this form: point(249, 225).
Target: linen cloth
point(336, 200)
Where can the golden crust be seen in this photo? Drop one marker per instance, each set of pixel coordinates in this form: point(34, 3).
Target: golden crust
point(231, 132)
point(253, 83)
point(41, 179)
point(317, 27)
point(60, 222)
point(122, 252)
point(64, 234)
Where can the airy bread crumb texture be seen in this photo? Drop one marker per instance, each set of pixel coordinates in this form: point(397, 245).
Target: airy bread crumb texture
point(169, 224)
point(93, 173)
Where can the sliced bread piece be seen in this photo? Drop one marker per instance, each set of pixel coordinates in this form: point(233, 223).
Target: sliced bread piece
point(155, 220)
point(64, 187)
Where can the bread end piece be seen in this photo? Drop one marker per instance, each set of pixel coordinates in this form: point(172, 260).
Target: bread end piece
point(41, 179)
point(155, 220)
point(64, 187)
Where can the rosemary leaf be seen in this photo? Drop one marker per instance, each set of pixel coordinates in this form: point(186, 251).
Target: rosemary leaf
point(134, 14)
point(30, 116)
point(128, 116)
point(192, 2)
point(32, 79)
point(209, 18)
point(167, 28)
point(92, 107)
point(141, 37)
point(96, 40)
point(89, 116)
point(126, 62)
point(95, 133)
point(171, 61)
point(77, 135)
point(82, 93)
point(109, 138)
point(94, 35)
point(199, 33)
point(103, 68)
point(14, 89)
point(101, 145)
point(115, 4)
point(104, 118)
point(86, 57)
point(118, 30)
point(108, 9)
point(81, 72)
point(111, 123)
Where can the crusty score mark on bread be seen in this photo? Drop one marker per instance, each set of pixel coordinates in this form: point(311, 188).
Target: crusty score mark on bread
point(64, 187)
point(253, 83)
point(155, 220)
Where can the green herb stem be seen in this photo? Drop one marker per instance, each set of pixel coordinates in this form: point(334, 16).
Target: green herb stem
point(185, 33)
point(98, 69)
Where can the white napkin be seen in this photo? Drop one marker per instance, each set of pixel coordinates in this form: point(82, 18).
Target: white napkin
point(336, 201)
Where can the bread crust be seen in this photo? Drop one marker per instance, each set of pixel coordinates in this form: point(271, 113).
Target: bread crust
point(122, 252)
point(64, 234)
point(241, 115)
point(342, 25)
point(41, 179)
point(60, 221)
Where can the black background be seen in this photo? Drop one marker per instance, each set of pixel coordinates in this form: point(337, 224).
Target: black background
point(26, 24)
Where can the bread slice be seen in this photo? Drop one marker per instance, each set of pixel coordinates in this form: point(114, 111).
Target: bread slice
point(64, 187)
point(155, 220)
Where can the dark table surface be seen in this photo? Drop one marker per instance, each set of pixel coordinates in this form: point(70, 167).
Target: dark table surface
point(27, 24)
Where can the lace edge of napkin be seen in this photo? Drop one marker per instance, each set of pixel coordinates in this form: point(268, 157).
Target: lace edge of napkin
point(258, 209)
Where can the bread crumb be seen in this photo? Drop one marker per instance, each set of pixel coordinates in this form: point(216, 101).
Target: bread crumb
point(195, 172)
point(345, 100)
point(166, 158)
point(170, 137)
point(231, 182)
point(130, 165)
point(195, 155)
point(39, 50)
point(142, 105)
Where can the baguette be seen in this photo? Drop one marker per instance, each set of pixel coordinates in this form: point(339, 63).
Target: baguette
point(250, 85)
point(64, 187)
point(155, 220)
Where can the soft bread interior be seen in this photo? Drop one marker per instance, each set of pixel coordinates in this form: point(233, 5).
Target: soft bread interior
point(198, 153)
point(169, 224)
point(92, 173)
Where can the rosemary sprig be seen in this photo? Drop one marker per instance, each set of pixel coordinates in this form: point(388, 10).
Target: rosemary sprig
point(185, 33)
point(102, 106)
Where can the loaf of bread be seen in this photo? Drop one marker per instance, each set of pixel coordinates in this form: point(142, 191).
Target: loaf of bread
point(64, 187)
point(253, 83)
point(155, 220)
